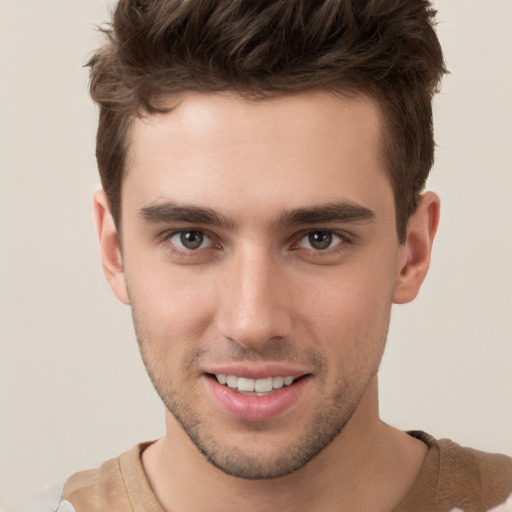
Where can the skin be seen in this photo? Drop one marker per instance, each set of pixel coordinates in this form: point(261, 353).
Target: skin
point(259, 290)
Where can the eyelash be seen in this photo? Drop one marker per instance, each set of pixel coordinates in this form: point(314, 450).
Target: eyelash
point(345, 239)
point(167, 237)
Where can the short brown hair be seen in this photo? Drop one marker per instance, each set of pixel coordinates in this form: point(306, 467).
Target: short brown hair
point(386, 49)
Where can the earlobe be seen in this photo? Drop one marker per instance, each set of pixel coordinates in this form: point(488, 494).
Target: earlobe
point(111, 257)
point(417, 249)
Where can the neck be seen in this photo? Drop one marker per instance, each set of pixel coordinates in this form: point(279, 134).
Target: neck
point(367, 450)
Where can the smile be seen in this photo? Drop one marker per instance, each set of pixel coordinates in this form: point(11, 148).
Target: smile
point(256, 399)
point(256, 387)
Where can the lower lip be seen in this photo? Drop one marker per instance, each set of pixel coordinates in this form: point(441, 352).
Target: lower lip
point(256, 408)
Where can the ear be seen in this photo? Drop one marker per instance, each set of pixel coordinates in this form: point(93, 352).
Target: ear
point(111, 257)
point(415, 258)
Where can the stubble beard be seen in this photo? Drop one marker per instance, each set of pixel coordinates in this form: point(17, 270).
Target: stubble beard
point(234, 461)
point(331, 417)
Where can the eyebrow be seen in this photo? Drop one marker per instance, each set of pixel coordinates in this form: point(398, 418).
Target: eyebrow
point(342, 211)
point(172, 212)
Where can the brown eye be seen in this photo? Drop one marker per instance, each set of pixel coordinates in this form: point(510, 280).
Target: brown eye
point(190, 240)
point(320, 240)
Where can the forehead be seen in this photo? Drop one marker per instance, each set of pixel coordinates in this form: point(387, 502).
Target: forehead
point(287, 151)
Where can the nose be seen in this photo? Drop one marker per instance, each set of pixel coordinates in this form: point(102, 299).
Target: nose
point(255, 300)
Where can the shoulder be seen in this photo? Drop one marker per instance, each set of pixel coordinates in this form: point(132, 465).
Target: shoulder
point(472, 476)
point(455, 478)
point(95, 488)
point(115, 486)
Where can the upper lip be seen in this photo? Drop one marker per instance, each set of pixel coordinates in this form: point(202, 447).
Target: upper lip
point(253, 371)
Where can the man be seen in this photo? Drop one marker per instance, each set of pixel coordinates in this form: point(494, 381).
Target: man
point(263, 166)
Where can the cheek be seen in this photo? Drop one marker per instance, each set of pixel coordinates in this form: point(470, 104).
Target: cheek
point(169, 324)
point(349, 314)
point(348, 297)
point(170, 303)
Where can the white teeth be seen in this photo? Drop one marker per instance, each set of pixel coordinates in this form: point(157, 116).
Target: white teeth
point(279, 382)
point(263, 385)
point(232, 381)
point(245, 384)
point(254, 385)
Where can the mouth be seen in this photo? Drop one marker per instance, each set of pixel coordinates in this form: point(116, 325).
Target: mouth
point(257, 394)
point(255, 387)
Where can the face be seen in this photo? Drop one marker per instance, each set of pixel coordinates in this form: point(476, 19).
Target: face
point(260, 257)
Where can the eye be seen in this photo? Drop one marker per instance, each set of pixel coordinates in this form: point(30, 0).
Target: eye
point(320, 240)
point(190, 240)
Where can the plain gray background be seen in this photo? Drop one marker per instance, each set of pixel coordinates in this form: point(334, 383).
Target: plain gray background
point(72, 389)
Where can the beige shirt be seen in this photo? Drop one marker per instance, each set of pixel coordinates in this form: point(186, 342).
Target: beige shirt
point(452, 477)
